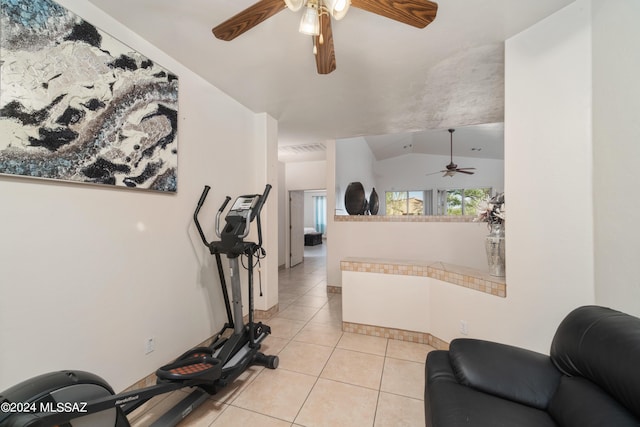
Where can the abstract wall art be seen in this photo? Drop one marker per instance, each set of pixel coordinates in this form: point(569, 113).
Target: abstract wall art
point(78, 105)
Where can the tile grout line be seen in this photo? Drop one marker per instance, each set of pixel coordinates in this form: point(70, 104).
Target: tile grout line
point(325, 363)
point(334, 347)
point(384, 363)
point(312, 387)
point(261, 372)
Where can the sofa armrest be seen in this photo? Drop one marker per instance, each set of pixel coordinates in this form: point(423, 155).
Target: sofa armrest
point(509, 372)
point(437, 370)
point(438, 367)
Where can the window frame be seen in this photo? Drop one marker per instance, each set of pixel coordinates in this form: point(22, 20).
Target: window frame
point(426, 195)
point(442, 206)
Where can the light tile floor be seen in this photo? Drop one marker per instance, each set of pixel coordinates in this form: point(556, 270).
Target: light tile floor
point(326, 377)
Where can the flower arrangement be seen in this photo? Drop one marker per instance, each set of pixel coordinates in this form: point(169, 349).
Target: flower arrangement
point(492, 210)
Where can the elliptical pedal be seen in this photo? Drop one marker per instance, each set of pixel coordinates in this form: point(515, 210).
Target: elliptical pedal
point(195, 367)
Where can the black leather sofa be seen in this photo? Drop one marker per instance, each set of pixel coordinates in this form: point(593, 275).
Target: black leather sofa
point(591, 378)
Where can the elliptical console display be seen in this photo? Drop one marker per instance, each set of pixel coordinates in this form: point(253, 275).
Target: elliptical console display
point(240, 215)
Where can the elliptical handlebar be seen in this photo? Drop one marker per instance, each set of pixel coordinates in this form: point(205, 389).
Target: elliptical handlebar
point(203, 196)
point(224, 205)
point(263, 199)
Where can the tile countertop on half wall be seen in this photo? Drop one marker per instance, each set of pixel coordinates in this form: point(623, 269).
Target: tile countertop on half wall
point(458, 275)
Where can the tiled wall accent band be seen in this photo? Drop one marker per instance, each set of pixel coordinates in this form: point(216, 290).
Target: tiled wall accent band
point(395, 334)
point(151, 379)
point(264, 314)
point(403, 218)
point(334, 289)
point(147, 381)
point(462, 276)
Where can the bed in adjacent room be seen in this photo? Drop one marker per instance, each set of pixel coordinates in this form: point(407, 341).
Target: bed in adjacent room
point(312, 237)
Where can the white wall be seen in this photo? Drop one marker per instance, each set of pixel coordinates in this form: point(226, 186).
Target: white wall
point(397, 302)
point(264, 146)
point(358, 166)
point(89, 272)
point(454, 243)
point(415, 172)
point(548, 174)
point(306, 175)
point(548, 189)
point(616, 153)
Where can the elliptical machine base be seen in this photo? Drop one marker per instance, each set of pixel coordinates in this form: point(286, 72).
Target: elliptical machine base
point(90, 400)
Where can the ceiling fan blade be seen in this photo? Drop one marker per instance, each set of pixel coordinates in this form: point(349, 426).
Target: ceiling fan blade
point(248, 18)
point(325, 54)
point(452, 172)
point(418, 13)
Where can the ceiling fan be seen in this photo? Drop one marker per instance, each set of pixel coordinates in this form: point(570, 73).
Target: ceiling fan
point(452, 168)
point(316, 20)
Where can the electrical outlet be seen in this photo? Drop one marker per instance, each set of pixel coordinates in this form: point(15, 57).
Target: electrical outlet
point(149, 345)
point(464, 327)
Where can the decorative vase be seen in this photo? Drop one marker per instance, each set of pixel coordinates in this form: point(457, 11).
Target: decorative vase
point(355, 200)
point(374, 202)
point(494, 245)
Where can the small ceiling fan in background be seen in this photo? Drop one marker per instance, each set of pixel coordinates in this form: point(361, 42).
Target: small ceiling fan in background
point(316, 20)
point(452, 168)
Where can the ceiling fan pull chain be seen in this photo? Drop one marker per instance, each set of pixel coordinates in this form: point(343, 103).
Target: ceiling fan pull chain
point(320, 17)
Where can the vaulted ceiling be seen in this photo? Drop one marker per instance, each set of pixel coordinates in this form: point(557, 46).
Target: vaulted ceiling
point(390, 78)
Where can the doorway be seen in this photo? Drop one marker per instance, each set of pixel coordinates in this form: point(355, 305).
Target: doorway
point(307, 224)
point(296, 227)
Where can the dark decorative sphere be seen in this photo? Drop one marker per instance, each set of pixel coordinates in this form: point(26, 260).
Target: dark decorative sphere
point(354, 199)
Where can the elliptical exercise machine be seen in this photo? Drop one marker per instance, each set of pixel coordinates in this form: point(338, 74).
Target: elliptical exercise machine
point(82, 399)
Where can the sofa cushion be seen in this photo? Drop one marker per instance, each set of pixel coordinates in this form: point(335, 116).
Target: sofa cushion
point(580, 403)
point(513, 373)
point(448, 403)
point(603, 346)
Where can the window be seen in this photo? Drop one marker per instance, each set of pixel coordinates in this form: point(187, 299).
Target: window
point(461, 201)
point(408, 202)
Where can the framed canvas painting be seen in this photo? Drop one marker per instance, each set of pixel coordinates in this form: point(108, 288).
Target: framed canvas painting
point(78, 105)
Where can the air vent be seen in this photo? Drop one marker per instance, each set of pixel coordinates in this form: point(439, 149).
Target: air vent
point(301, 149)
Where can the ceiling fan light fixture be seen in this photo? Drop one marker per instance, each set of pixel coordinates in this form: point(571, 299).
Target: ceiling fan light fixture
point(310, 22)
point(338, 8)
point(294, 5)
point(417, 13)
